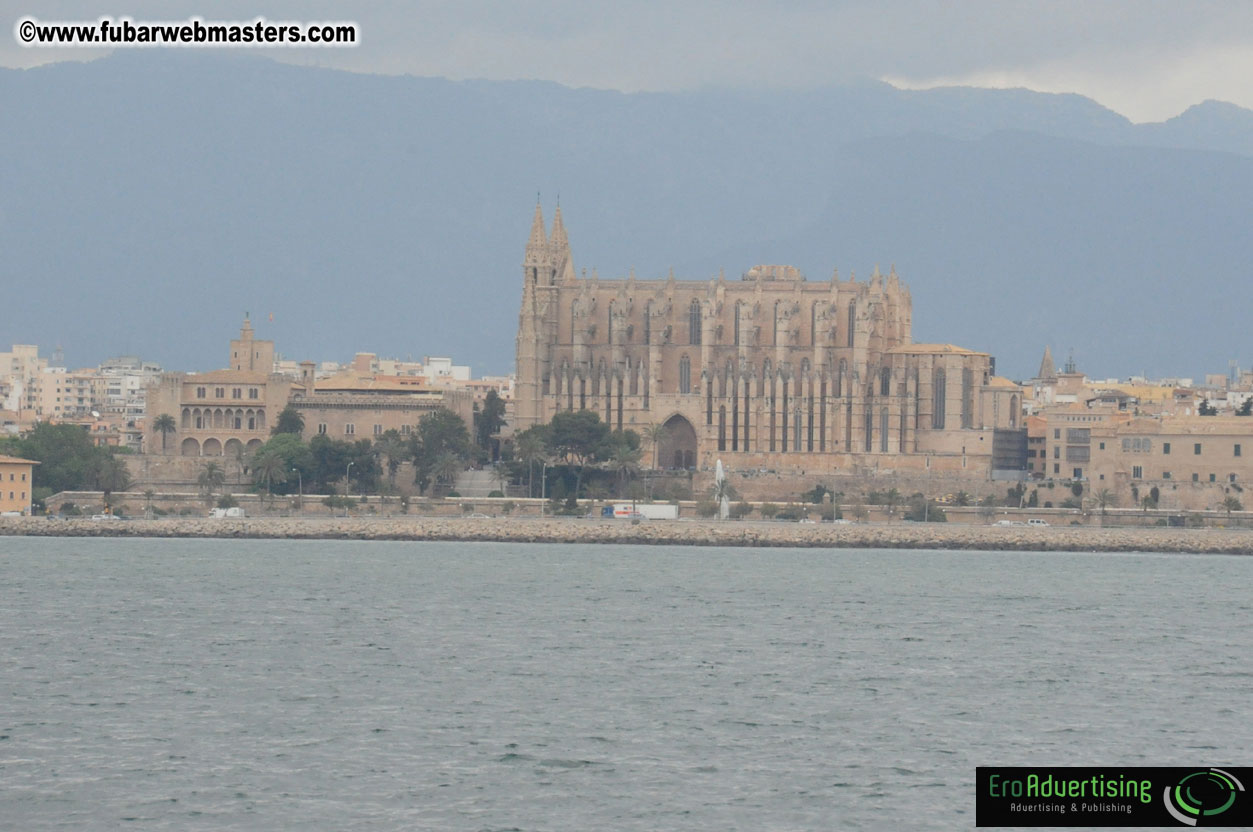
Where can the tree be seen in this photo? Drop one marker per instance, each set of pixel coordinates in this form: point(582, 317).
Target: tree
point(1104, 499)
point(289, 421)
point(164, 425)
point(891, 499)
point(656, 435)
point(1206, 409)
point(211, 478)
point(531, 446)
point(575, 437)
point(269, 467)
point(446, 468)
point(625, 461)
point(110, 475)
point(394, 448)
point(69, 459)
point(723, 490)
point(1246, 408)
point(441, 436)
point(962, 498)
point(1230, 504)
point(489, 419)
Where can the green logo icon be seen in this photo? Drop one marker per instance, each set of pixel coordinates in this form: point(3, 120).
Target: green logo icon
point(1202, 795)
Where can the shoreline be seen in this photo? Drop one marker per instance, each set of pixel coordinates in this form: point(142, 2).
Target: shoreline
point(657, 533)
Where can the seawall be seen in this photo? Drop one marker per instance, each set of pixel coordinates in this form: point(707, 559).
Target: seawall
point(668, 533)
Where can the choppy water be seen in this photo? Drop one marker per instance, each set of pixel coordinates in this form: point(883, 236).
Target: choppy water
point(163, 684)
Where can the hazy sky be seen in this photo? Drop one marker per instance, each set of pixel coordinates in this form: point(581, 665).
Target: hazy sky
point(1147, 59)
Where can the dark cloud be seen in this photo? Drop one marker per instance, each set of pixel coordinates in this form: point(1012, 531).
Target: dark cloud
point(1146, 59)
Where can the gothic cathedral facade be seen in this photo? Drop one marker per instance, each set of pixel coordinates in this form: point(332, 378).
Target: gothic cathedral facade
point(769, 370)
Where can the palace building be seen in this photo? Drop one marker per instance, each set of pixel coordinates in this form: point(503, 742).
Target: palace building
point(769, 370)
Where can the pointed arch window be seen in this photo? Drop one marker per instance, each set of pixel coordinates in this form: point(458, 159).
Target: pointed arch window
point(968, 398)
point(885, 381)
point(738, 308)
point(938, 397)
point(693, 322)
point(609, 325)
point(648, 322)
point(685, 375)
point(852, 321)
point(775, 335)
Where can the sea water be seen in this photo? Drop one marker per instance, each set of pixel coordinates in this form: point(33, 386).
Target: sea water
point(331, 685)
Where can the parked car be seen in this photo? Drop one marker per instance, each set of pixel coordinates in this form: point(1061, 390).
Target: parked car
point(1035, 521)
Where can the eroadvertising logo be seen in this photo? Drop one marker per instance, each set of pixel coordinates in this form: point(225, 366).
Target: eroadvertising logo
point(1132, 796)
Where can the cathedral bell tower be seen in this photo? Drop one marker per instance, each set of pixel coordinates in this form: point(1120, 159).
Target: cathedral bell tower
point(542, 268)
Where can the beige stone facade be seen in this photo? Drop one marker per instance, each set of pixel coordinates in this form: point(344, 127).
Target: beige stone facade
point(767, 370)
point(16, 484)
point(224, 412)
point(231, 412)
point(1193, 461)
point(356, 405)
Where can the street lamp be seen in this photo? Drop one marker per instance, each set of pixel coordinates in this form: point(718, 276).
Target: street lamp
point(300, 482)
point(347, 474)
point(543, 484)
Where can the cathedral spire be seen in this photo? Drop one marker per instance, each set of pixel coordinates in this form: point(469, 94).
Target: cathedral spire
point(558, 239)
point(538, 238)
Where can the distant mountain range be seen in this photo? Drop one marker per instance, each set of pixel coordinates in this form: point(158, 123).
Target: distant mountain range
point(149, 199)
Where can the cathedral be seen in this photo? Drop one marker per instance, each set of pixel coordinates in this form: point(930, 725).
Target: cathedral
point(769, 370)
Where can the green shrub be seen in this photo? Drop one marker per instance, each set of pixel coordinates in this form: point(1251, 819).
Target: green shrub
point(497, 493)
point(768, 510)
point(793, 512)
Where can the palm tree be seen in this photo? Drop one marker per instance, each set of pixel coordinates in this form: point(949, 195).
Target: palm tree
point(530, 449)
point(625, 461)
point(723, 490)
point(164, 425)
point(655, 435)
point(892, 499)
point(269, 468)
point(1105, 498)
point(392, 446)
point(211, 478)
point(110, 476)
point(148, 495)
point(447, 467)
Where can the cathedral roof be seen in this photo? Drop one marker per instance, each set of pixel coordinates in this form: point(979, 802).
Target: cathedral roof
point(932, 349)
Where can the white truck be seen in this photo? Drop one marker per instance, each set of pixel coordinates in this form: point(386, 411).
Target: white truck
point(227, 512)
point(641, 511)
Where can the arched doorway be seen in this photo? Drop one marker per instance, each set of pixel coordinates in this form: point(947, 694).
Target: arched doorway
point(190, 447)
point(678, 449)
point(212, 447)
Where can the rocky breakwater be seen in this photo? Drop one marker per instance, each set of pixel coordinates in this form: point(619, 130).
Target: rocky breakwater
point(667, 533)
